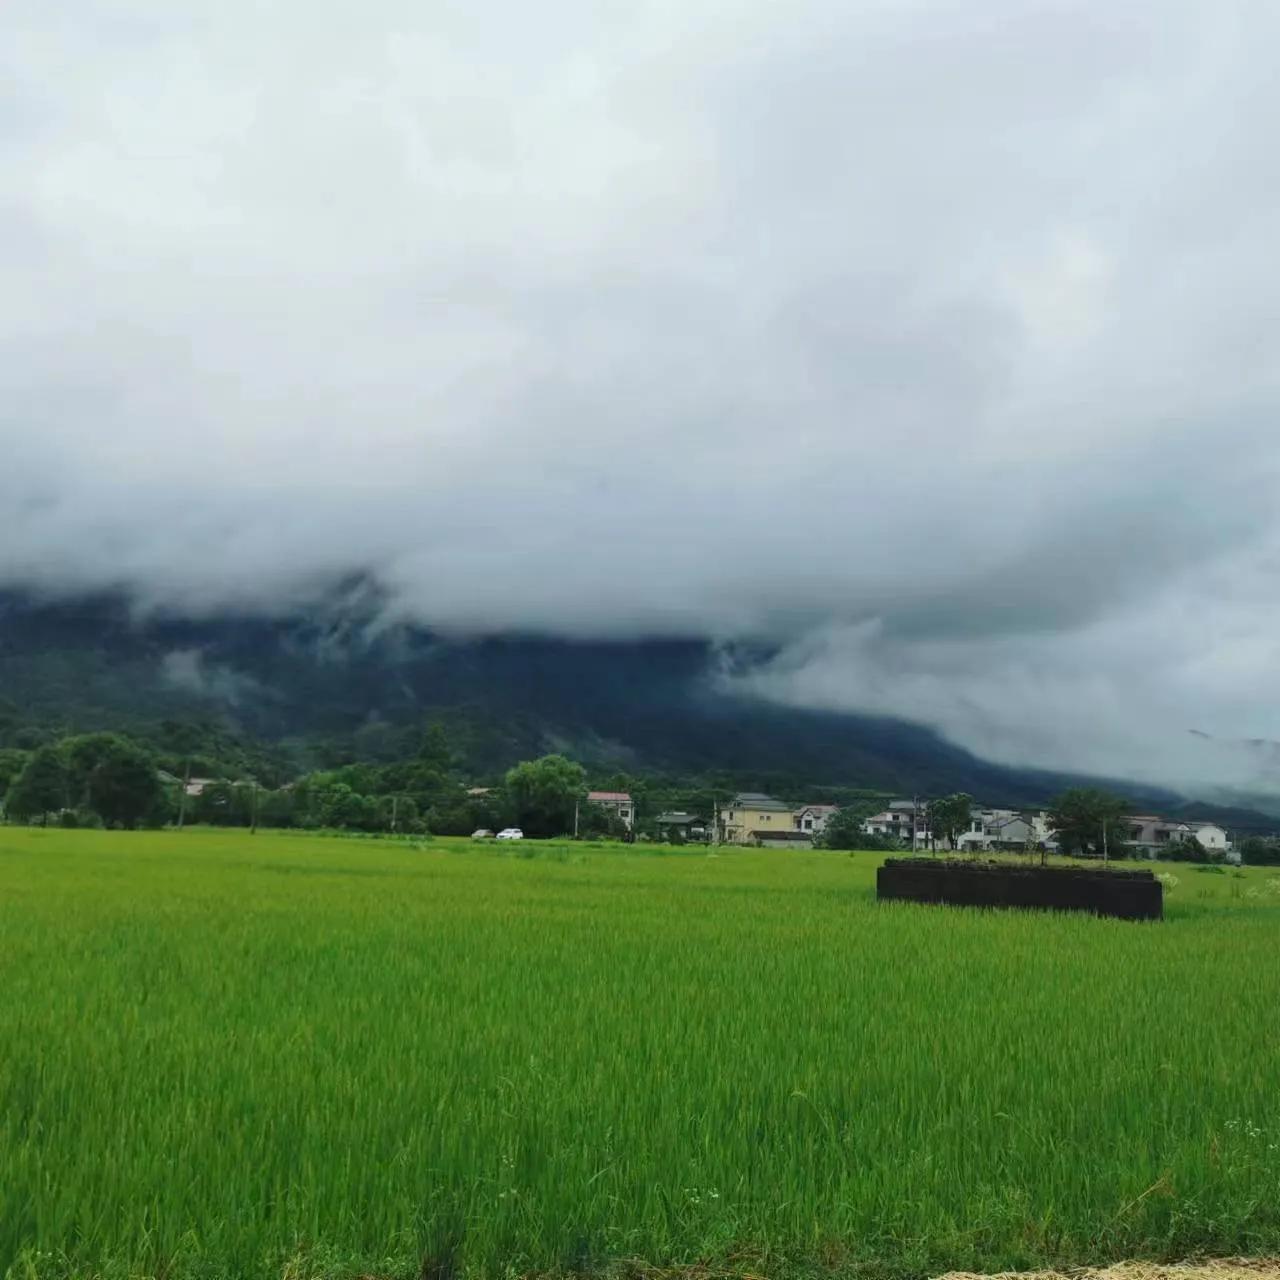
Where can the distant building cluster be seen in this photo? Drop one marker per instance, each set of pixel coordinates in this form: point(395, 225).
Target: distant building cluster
point(907, 821)
point(753, 818)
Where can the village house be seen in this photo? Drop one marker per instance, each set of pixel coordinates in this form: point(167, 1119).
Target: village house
point(618, 803)
point(988, 828)
point(813, 818)
point(751, 815)
point(689, 826)
point(1006, 829)
point(1150, 834)
point(897, 821)
point(1013, 829)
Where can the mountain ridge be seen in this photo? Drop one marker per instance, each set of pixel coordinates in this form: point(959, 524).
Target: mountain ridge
point(339, 683)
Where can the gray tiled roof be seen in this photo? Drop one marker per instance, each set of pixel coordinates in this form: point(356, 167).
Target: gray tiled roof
point(757, 800)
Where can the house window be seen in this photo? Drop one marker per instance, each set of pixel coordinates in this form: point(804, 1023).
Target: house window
point(808, 824)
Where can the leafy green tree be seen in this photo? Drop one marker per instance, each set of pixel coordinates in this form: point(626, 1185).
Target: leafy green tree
point(221, 805)
point(1189, 849)
point(397, 813)
point(1086, 820)
point(844, 828)
point(278, 808)
point(41, 788)
point(182, 740)
point(12, 763)
point(122, 784)
point(336, 805)
point(82, 754)
point(543, 793)
point(434, 750)
point(949, 817)
point(165, 810)
point(1259, 851)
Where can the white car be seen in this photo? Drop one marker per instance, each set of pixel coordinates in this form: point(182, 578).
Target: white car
point(510, 833)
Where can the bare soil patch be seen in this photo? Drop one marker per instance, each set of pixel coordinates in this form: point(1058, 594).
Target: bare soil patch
point(1218, 1269)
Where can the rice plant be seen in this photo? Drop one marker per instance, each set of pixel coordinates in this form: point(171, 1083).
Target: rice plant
point(284, 1055)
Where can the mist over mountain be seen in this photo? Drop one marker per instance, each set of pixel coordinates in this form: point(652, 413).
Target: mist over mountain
point(339, 684)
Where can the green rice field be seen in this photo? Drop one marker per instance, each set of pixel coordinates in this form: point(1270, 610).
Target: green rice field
point(225, 1055)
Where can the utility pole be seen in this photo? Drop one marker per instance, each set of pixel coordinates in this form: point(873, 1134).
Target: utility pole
point(715, 822)
point(1104, 842)
point(182, 799)
point(395, 808)
point(575, 819)
point(915, 822)
point(253, 821)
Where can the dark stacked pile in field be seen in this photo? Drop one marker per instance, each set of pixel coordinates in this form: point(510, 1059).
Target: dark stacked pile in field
point(1127, 895)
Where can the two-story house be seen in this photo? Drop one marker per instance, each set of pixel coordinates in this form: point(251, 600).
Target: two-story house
point(1150, 834)
point(1006, 829)
point(813, 818)
point(751, 815)
point(617, 802)
point(899, 821)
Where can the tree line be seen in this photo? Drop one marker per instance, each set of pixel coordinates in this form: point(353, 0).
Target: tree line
point(110, 779)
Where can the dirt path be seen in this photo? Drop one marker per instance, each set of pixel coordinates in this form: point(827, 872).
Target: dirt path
point(1219, 1269)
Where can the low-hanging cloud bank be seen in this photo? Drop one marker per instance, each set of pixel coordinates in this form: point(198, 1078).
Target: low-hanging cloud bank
point(934, 341)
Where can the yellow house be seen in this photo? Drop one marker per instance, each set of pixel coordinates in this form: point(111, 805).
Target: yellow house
point(750, 815)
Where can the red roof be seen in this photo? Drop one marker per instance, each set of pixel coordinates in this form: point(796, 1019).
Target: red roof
point(609, 795)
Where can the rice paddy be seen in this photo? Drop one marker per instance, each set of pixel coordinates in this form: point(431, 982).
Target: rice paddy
point(286, 1055)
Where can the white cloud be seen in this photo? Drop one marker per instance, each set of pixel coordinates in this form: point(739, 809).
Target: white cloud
point(934, 340)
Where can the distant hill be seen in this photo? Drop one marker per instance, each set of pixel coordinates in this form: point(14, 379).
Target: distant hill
point(334, 687)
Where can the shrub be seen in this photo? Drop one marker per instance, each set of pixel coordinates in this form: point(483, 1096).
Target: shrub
point(86, 818)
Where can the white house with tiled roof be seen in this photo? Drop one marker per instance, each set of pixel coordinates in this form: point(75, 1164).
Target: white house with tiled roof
point(813, 818)
point(616, 802)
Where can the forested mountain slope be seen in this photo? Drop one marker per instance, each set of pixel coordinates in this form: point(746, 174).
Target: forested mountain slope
point(323, 689)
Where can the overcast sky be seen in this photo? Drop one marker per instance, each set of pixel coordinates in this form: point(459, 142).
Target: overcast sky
point(935, 340)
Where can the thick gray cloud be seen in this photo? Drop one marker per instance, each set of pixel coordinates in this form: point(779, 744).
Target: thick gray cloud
point(935, 341)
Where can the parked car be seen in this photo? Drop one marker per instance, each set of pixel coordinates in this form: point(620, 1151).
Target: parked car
point(510, 833)
point(482, 833)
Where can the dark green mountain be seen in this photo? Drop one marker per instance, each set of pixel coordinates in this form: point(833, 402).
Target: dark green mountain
point(334, 687)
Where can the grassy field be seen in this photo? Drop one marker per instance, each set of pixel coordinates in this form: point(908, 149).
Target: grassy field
point(296, 1056)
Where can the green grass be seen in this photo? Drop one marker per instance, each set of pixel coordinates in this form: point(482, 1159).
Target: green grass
point(286, 1055)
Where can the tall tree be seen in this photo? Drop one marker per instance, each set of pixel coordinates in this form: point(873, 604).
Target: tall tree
point(434, 750)
point(123, 785)
point(83, 754)
point(183, 740)
point(844, 827)
point(543, 793)
point(12, 763)
point(1087, 820)
point(949, 817)
point(41, 788)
